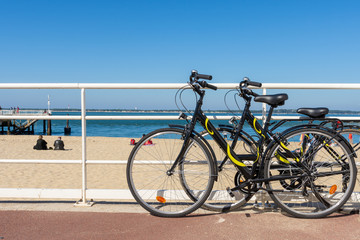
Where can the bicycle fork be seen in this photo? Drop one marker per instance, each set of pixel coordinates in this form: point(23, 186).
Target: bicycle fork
point(180, 157)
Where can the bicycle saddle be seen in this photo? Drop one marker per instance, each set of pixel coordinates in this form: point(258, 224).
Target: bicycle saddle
point(313, 112)
point(273, 100)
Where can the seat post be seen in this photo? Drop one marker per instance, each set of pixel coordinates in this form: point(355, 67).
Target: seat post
point(268, 118)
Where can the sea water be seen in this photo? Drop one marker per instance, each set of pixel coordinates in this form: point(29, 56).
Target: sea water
point(116, 128)
point(130, 128)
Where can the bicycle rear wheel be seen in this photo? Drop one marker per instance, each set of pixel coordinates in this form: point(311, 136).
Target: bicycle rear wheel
point(163, 193)
point(228, 175)
point(352, 135)
point(318, 173)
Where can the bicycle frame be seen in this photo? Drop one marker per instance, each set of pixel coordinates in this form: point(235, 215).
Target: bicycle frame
point(265, 136)
point(200, 117)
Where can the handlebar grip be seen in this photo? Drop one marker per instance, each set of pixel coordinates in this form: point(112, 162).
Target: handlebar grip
point(211, 86)
point(250, 92)
point(204, 76)
point(207, 85)
point(255, 84)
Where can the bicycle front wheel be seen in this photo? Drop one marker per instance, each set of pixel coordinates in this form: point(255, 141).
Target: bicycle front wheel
point(168, 193)
point(314, 173)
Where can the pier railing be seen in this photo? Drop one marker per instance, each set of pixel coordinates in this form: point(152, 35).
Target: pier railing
point(84, 193)
point(23, 112)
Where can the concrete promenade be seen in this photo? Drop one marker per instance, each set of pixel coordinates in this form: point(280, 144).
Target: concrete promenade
point(61, 220)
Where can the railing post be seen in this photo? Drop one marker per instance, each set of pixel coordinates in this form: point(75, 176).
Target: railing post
point(264, 108)
point(82, 201)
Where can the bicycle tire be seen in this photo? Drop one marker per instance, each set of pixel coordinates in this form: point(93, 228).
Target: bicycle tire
point(353, 140)
point(352, 135)
point(319, 193)
point(162, 194)
point(228, 176)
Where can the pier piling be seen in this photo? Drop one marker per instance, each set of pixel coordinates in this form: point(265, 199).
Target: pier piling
point(48, 127)
point(22, 126)
point(67, 129)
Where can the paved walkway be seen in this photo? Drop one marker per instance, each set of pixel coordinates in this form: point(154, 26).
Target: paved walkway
point(61, 220)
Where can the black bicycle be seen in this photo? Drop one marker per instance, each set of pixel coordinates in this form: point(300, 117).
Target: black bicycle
point(308, 170)
point(246, 146)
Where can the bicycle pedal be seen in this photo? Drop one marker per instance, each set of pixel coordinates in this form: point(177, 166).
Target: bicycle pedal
point(230, 192)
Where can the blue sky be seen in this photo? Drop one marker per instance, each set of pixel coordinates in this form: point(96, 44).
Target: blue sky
point(276, 41)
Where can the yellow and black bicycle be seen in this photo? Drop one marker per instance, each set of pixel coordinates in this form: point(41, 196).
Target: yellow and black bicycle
point(308, 170)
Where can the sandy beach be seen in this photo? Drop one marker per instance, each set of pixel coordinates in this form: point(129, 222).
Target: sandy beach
point(30, 175)
point(65, 176)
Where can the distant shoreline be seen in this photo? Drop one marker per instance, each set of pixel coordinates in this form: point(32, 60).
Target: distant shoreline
point(276, 111)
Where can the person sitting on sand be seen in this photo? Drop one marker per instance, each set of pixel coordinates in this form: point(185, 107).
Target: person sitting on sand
point(41, 144)
point(59, 144)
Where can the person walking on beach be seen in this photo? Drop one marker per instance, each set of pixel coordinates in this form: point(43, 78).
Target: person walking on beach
point(41, 144)
point(59, 144)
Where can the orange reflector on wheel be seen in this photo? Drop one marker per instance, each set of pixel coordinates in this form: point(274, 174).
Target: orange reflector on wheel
point(161, 199)
point(333, 189)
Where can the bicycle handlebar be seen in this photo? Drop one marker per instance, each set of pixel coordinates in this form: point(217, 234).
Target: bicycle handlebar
point(204, 76)
point(195, 76)
point(255, 84)
point(250, 92)
point(207, 85)
point(245, 83)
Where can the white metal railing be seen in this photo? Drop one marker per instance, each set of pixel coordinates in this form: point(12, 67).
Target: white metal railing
point(123, 193)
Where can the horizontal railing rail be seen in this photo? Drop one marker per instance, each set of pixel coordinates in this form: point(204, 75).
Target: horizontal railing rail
point(172, 85)
point(84, 193)
point(147, 117)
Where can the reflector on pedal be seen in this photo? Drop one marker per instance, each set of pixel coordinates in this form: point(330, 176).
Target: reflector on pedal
point(333, 189)
point(161, 199)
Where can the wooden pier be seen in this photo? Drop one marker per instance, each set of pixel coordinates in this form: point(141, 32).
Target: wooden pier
point(18, 127)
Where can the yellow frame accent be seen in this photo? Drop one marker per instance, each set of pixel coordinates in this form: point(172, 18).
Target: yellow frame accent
point(258, 131)
point(284, 160)
point(207, 129)
point(233, 159)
